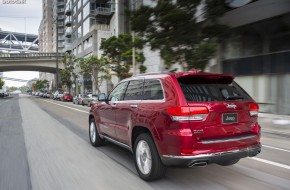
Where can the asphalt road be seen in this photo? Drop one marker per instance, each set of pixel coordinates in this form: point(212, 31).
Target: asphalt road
point(44, 144)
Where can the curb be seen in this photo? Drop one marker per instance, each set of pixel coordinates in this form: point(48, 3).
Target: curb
point(284, 134)
point(274, 116)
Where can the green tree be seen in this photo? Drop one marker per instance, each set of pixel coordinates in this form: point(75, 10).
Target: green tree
point(99, 69)
point(2, 82)
point(184, 31)
point(40, 84)
point(119, 50)
point(67, 74)
point(24, 89)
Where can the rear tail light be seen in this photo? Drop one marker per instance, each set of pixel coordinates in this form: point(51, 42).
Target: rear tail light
point(253, 109)
point(256, 128)
point(186, 113)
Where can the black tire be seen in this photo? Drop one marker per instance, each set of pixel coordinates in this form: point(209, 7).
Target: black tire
point(83, 103)
point(229, 162)
point(98, 141)
point(157, 169)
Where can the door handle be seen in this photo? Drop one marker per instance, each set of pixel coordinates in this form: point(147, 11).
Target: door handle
point(134, 106)
point(114, 105)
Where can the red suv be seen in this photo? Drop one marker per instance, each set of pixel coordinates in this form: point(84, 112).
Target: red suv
point(169, 119)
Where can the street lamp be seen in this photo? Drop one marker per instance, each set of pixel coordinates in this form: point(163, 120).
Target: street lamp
point(57, 70)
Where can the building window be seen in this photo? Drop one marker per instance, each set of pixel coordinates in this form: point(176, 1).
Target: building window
point(80, 17)
point(80, 32)
point(79, 4)
point(88, 43)
point(86, 26)
point(86, 10)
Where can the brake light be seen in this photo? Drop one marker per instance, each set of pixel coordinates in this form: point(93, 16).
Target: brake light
point(253, 109)
point(256, 128)
point(185, 113)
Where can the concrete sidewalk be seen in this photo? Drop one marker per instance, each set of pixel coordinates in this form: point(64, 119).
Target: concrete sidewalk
point(275, 124)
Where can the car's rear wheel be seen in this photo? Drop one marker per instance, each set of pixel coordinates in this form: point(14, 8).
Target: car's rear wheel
point(147, 160)
point(229, 162)
point(95, 138)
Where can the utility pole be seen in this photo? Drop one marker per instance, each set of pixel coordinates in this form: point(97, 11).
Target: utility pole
point(57, 73)
point(133, 40)
point(134, 54)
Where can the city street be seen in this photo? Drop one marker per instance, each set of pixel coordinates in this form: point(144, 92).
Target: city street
point(44, 145)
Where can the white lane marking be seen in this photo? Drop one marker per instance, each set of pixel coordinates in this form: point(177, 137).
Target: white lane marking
point(66, 106)
point(271, 163)
point(276, 148)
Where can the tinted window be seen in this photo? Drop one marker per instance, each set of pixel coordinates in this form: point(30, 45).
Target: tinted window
point(118, 93)
point(153, 90)
point(134, 90)
point(213, 92)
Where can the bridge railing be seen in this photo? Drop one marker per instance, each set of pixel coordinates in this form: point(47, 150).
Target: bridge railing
point(29, 55)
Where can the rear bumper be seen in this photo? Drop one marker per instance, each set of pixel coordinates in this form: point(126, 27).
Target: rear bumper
point(173, 160)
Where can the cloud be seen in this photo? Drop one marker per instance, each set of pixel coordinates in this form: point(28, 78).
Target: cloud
point(21, 17)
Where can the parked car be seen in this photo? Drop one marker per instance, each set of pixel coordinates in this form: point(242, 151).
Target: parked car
point(182, 119)
point(82, 99)
point(57, 94)
point(66, 97)
point(93, 99)
point(2, 93)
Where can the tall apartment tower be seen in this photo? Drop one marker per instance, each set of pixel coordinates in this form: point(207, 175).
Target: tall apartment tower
point(58, 15)
point(46, 27)
point(88, 23)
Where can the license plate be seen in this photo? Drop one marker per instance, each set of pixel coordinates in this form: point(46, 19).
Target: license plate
point(229, 118)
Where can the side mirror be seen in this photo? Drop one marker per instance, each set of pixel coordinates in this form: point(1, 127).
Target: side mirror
point(102, 97)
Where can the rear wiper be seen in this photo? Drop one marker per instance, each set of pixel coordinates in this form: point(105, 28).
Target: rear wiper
point(234, 98)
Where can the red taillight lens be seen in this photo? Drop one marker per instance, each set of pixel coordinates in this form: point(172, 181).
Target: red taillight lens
point(256, 128)
point(253, 109)
point(187, 113)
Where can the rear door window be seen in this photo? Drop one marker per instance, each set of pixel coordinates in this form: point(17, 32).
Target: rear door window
point(153, 90)
point(134, 90)
point(208, 91)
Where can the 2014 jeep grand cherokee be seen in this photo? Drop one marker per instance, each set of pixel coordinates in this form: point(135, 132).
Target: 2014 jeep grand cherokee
point(190, 118)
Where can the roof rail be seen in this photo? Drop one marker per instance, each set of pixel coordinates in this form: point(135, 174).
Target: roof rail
point(153, 73)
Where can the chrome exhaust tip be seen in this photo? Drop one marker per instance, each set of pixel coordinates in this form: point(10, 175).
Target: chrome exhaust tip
point(197, 164)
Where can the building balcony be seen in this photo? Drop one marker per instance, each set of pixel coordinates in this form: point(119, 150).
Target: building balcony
point(271, 63)
point(60, 10)
point(60, 17)
point(68, 32)
point(68, 22)
point(67, 47)
point(68, 11)
point(60, 31)
point(60, 3)
point(60, 45)
point(101, 11)
point(102, 27)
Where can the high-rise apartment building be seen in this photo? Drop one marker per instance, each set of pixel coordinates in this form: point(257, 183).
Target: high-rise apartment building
point(46, 28)
point(51, 32)
point(58, 30)
point(88, 23)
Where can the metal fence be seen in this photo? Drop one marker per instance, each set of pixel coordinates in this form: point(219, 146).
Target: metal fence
point(30, 55)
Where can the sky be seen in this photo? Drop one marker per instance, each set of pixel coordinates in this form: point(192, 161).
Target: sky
point(24, 18)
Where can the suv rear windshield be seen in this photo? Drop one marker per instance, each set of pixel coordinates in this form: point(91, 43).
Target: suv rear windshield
point(209, 91)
